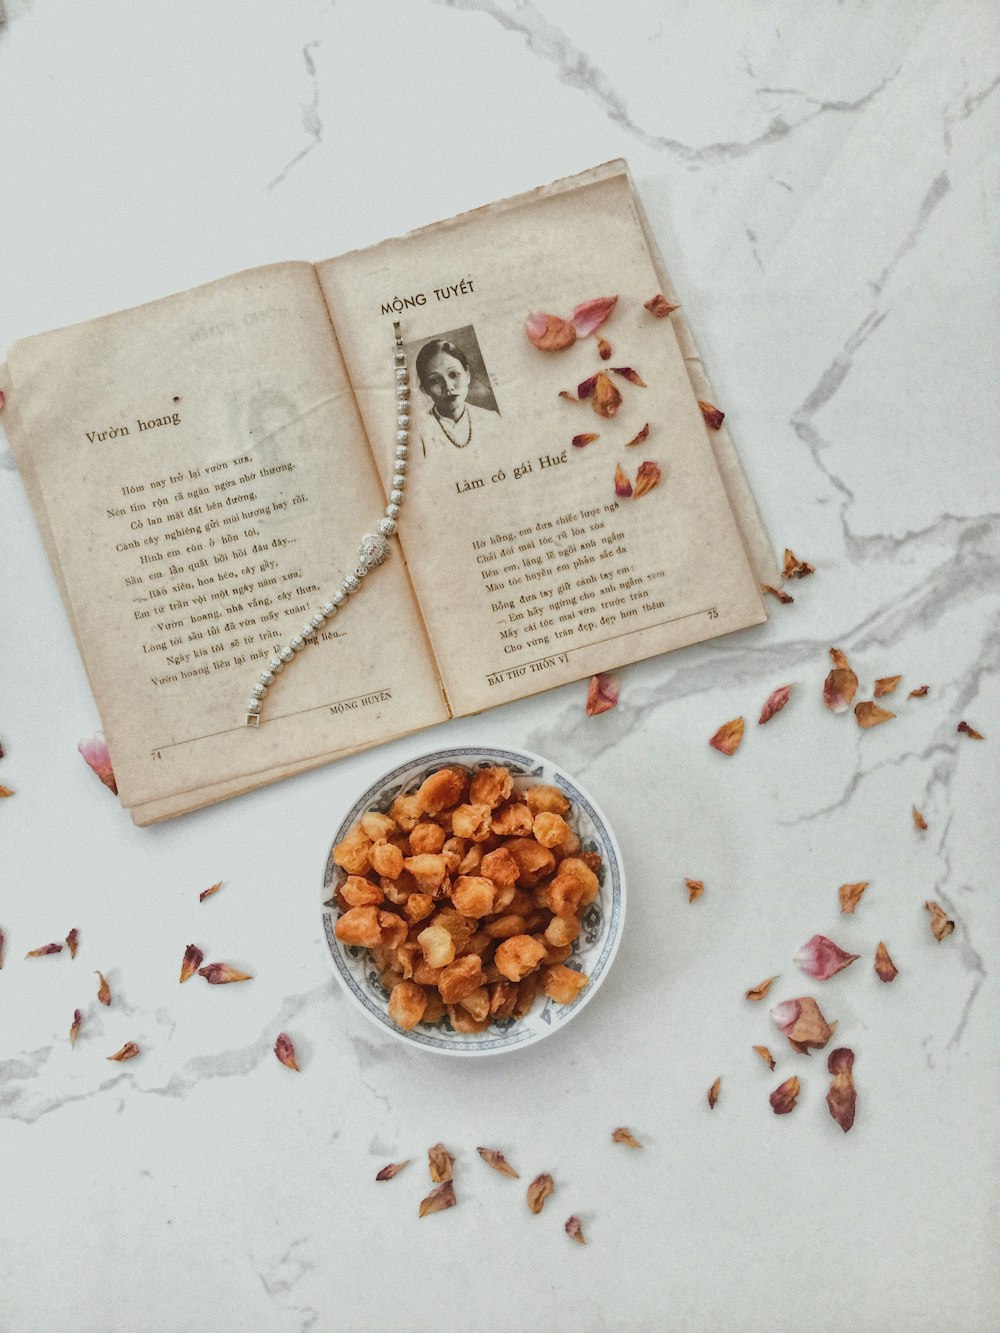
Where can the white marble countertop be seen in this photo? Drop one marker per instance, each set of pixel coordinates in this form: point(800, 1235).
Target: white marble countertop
point(823, 182)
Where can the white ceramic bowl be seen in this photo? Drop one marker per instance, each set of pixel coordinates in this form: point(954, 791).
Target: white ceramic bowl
point(594, 949)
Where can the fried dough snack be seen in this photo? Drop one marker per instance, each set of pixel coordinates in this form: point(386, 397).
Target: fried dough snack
point(468, 896)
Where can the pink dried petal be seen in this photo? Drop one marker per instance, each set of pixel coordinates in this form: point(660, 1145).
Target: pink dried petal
point(802, 1023)
point(602, 694)
point(775, 703)
point(103, 990)
point(886, 685)
point(941, 923)
point(43, 950)
point(549, 333)
point(784, 1097)
point(885, 968)
point(646, 478)
point(766, 1056)
point(440, 1162)
point(439, 1199)
point(74, 1030)
point(842, 1098)
point(850, 895)
point(193, 959)
point(1, 947)
point(841, 684)
point(604, 349)
point(624, 1135)
point(713, 1093)
point(73, 942)
point(758, 992)
point(727, 739)
point(713, 416)
point(494, 1158)
point(207, 893)
point(285, 1051)
point(780, 594)
point(574, 1230)
point(6, 791)
point(3, 400)
point(695, 889)
point(607, 399)
point(919, 692)
point(640, 437)
point(95, 750)
point(564, 393)
point(918, 820)
point(971, 732)
point(869, 714)
point(217, 974)
point(393, 1169)
point(659, 306)
point(819, 957)
point(128, 1052)
point(623, 487)
point(630, 374)
point(581, 441)
point(589, 316)
point(794, 568)
point(539, 1190)
point(586, 387)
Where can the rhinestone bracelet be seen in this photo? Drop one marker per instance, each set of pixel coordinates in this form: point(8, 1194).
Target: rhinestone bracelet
point(374, 548)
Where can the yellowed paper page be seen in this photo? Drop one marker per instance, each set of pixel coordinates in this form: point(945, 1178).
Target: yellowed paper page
point(529, 569)
point(205, 482)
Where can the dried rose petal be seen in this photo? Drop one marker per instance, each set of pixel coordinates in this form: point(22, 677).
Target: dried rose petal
point(43, 950)
point(919, 692)
point(3, 400)
point(207, 893)
point(646, 478)
point(727, 739)
point(539, 1190)
point(589, 316)
point(393, 1169)
point(870, 715)
point(193, 959)
point(604, 349)
point(713, 417)
point(886, 685)
point(549, 333)
point(884, 966)
point(1, 947)
point(794, 568)
point(802, 1023)
point(850, 895)
point(758, 992)
point(602, 693)
point(74, 1030)
point(6, 791)
point(971, 732)
point(574, 1230)
point(623, 1135)
point(586, 387)
point(564, 393)
point(765, 1055)
point(494, 1158)
point(941, 925)
point(581, 441)
point(784, 1097)
point(439, 1199)
point(607, 399)
point(284, 1049)
point(628, 373)
point(919, 821)
point(782, 596)
point(819, 957)
point(842, 1098)
point(642, 435)
point(841, 684)
point(217, 974)
point(103, 990)
point(713, 1093)
point(128, 1052)
point(95, 750)
point(73, 942)
point(660, 306)
point(439, 1162)
point(695, 889)
point(775, 703)
point(623, 487)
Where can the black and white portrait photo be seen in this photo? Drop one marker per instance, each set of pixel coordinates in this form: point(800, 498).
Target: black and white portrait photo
point(452, 403)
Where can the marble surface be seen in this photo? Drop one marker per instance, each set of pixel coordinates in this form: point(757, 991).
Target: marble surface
point(823, 182)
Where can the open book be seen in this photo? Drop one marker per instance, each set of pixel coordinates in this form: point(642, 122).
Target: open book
point(202, 470)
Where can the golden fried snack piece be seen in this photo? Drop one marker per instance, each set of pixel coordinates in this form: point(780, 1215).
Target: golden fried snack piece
point(562, 984)
point(562, 930)
point(378, 827)
point(549, 829)
point(534, 861)
point(426, 838)
point(473, 895)
point(518, 956)
point(437, 946)
point(512, 821)
point(543, 797)
point(491, 786)
point(359, 926)
point(406, 811)
point(386, 859)
point(461, 978)
point(418, 907)
point(360, 892)
point(500, 867)
point(352, 852)
point(407, 1004)
point(440, 790)
point(472, 822)
point(428, 870)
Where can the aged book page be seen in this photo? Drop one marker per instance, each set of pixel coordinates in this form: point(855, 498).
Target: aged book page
point(530, 571)
point(201, 479)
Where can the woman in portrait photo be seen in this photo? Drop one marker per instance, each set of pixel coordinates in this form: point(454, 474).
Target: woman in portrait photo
point(451, 421)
